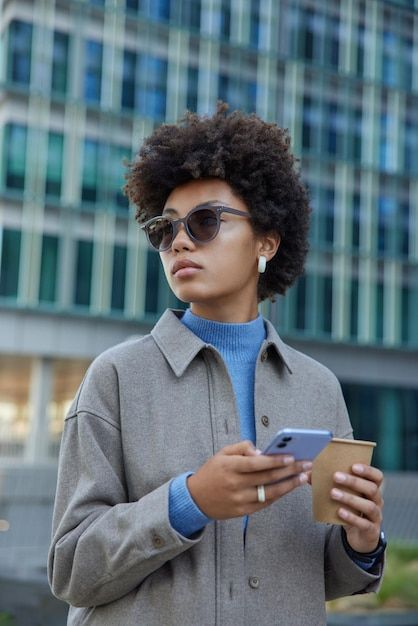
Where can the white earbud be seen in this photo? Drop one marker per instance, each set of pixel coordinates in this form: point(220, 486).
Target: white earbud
point(262, 262)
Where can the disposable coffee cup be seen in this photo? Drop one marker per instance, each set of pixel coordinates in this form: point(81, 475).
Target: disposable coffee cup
point(338, 456)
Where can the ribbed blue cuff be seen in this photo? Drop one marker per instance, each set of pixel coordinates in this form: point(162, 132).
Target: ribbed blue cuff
point(185, 516)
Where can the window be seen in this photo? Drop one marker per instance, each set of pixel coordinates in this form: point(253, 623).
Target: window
point(114, 176)
point(225, 25)
point(132, 5)
point(128, 79)
point(360, 50)
point(19, 53)
point(83, 271)
point(10, 261)
point(60, 63)
point(93, 71)
point(152, 90)
point(354, 296)
point(409, 304)
point(311, 124)
point(387, 213)
point(48, 277)
point(379, 317)
point(153, 281)
point(90, 171)
point(15, 156)
point(54, 165)
point(327, 304)
point(189, 13)
point(154, 9)
point(355, 238)
point(386, 415)
point(254, 23)
point(118, 278)
point(192, 88)
point(411, 136)
point(390, 58)
point(327, 209)
point(300, 322)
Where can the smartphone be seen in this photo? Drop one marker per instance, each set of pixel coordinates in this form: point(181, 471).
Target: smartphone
point(303, 444)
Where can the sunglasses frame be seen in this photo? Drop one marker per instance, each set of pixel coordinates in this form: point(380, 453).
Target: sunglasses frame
point(217, 210)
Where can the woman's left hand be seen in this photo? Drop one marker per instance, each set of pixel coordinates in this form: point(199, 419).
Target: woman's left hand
point(363, 517)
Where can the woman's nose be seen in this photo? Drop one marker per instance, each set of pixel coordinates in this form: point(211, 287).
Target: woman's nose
point(182, 241)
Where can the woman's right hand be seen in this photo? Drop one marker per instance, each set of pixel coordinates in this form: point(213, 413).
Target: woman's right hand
point(226, 485)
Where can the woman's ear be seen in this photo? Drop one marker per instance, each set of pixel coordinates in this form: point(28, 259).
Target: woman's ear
point(269, 244)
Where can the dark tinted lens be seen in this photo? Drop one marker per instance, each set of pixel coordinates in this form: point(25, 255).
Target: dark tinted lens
point(160, 234)
point(203, 224)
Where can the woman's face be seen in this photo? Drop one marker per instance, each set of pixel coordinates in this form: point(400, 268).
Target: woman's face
point(221, 283)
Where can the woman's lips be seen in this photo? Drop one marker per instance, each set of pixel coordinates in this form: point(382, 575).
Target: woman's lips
point(185, 272)
point(184, 268)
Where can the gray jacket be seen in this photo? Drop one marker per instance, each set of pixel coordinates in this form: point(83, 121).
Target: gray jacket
point(148, 410)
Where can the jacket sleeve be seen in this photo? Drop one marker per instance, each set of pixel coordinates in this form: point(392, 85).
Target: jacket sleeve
point(343, 577)
point(103, 546)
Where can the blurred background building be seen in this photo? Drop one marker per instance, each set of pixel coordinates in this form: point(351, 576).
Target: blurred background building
point(81, 84)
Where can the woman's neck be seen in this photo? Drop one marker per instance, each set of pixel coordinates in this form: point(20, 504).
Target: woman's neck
point(236, 313)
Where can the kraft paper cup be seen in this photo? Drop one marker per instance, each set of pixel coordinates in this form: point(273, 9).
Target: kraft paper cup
point(338, 456)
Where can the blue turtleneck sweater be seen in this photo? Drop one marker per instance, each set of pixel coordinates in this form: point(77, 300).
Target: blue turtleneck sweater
point(239, 345)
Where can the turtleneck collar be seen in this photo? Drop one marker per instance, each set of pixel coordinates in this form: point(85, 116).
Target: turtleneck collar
point(237, 342)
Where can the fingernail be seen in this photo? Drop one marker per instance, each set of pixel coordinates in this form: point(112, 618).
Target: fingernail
point(303, 478)
point(287, 460)
point(339, 477)
point(307, 466)
point(257, 451)
point(337, 494)
point(359, 469)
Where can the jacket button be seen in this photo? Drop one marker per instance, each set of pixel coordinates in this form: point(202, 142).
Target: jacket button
point(265, 420)
point(264, 355)
point(254, 582)
point(157, 541)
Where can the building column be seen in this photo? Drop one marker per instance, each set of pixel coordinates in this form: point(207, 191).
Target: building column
point(39, 396)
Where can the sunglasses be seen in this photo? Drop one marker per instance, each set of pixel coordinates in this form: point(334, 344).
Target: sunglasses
point(201, 223)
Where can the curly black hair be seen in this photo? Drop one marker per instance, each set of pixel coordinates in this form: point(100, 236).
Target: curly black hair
point(253, 157)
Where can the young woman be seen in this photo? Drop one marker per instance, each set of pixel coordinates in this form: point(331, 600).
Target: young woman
point(166, 511)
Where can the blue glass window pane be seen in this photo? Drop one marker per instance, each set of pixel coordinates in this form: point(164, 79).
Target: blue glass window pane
point(115, 175)
point(19, 53)
point(151, 93)
point(192, 88)
point(90, 171)
point(83, 270)
point(132, 4)
point(327, 304)
point(48, 277)
point(153, 281)
point(155, 9)
point(301, 303)
point(10, 262)
point(93, 71)
point(15, 156)
point(54, 164)
point(118, 278)
point(354, 308)
point(355, 239)
point(225, 26)
point(254, 23)
point(128, 79)
point(60, 63)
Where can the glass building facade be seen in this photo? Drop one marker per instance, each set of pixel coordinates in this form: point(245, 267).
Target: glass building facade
point(83, 82)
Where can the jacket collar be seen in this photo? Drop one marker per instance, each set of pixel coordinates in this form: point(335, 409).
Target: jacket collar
point(180, 346)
